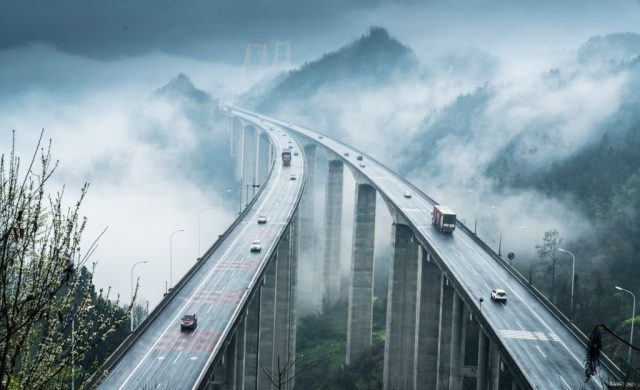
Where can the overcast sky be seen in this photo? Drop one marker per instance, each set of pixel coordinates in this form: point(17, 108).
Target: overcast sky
point(219, 29)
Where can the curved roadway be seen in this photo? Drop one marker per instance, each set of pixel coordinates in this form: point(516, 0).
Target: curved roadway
point(163, 356)
point(548, 354)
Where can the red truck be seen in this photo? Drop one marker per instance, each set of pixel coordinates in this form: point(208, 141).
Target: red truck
point(286, 158)
point(443, 218)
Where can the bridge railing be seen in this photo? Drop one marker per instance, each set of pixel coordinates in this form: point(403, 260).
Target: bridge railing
point(115, 357)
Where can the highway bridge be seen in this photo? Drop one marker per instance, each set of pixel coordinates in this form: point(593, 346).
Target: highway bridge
point(439, 335)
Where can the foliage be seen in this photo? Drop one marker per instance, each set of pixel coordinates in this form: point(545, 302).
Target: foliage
point(50, 316)
point(548, 250)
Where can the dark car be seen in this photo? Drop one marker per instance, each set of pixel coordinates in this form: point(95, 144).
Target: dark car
point(189, 321)
point(359, 158)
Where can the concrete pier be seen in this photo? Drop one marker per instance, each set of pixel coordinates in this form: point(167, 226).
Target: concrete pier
point(360, 316)
point(444, 333)
point(240, 354)
point(249, 162)
point(308, 282)
point(483, 360)
point(401, 310)
point(293, 301)
point(252, 331)
point(238, 147)
point(332, 233)
point(266, 331)
point(281, 323)
point(263, 159)
point(458, 324)
point(494, 366)
point(428, 323)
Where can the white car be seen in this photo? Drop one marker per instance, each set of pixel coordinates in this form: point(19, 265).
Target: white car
point(407, 194)
point(256, 246)
point(292, 176)
point(362, 165)
point(498, 295)
point(262, 219)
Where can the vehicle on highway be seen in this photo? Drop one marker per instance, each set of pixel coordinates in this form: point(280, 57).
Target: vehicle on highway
point(262, 219)
point(189, 321)
point(359, 158)
point(292, 176)
point(286, 158)
point(362, 165)
point(498, 295)
point(443, 218)
point(295, 153)
point(320, 137)
point(346, 154)
point(256, 246)
point(290, 146)
point(407, 194)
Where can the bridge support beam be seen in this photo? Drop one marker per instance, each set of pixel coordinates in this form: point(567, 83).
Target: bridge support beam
point(359, 324)
point(281, 355)
point(249, 161)
point(267, 317)
point(252, 330)
point(494, 364)
point(444, 333)
point(428, 321)
point(309, 282)
point(458, 325)
point(401, 310)
point(240, 354)
point(332, 233)
point(263, 159)
point(483, 360)
point(238, 147)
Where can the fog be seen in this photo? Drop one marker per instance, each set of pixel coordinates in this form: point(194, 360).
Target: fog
point(87, 74)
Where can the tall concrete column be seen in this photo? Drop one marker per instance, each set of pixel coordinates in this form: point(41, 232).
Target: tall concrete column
point(238, 147)
point(293, 301)
point(360, 318)
point(267, 317)
point(263, 158)
point(428, 322)
point(282, 321)
point(332, 233)
point(457, 343)
point(483, 360)
point(494, 364)
point(229, 365)
point(249, 161)
point(309, 283)
point(252, 331)
point(399, 347)
point(444, 333)
point(240, 354)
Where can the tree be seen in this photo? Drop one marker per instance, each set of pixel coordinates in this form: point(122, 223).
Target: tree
point(50, 315)
point(550, 244)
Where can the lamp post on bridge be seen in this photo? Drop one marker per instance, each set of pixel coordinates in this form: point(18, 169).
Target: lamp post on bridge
point(633, 318)
point(475, 222)
point(220, 197)
point(573, 278)
point(171, 257)
point(132, 268)
point(500, 240)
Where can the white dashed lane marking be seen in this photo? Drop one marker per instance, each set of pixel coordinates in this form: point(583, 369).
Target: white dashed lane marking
point(528, 335)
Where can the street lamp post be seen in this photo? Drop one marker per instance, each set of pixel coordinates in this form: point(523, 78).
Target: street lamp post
point(171, 257)
point(500, 240)
point(250, 185)
point(132, 268)
point(633, 318)
point(199, 228)
point(573, 277)
point(475, 222)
